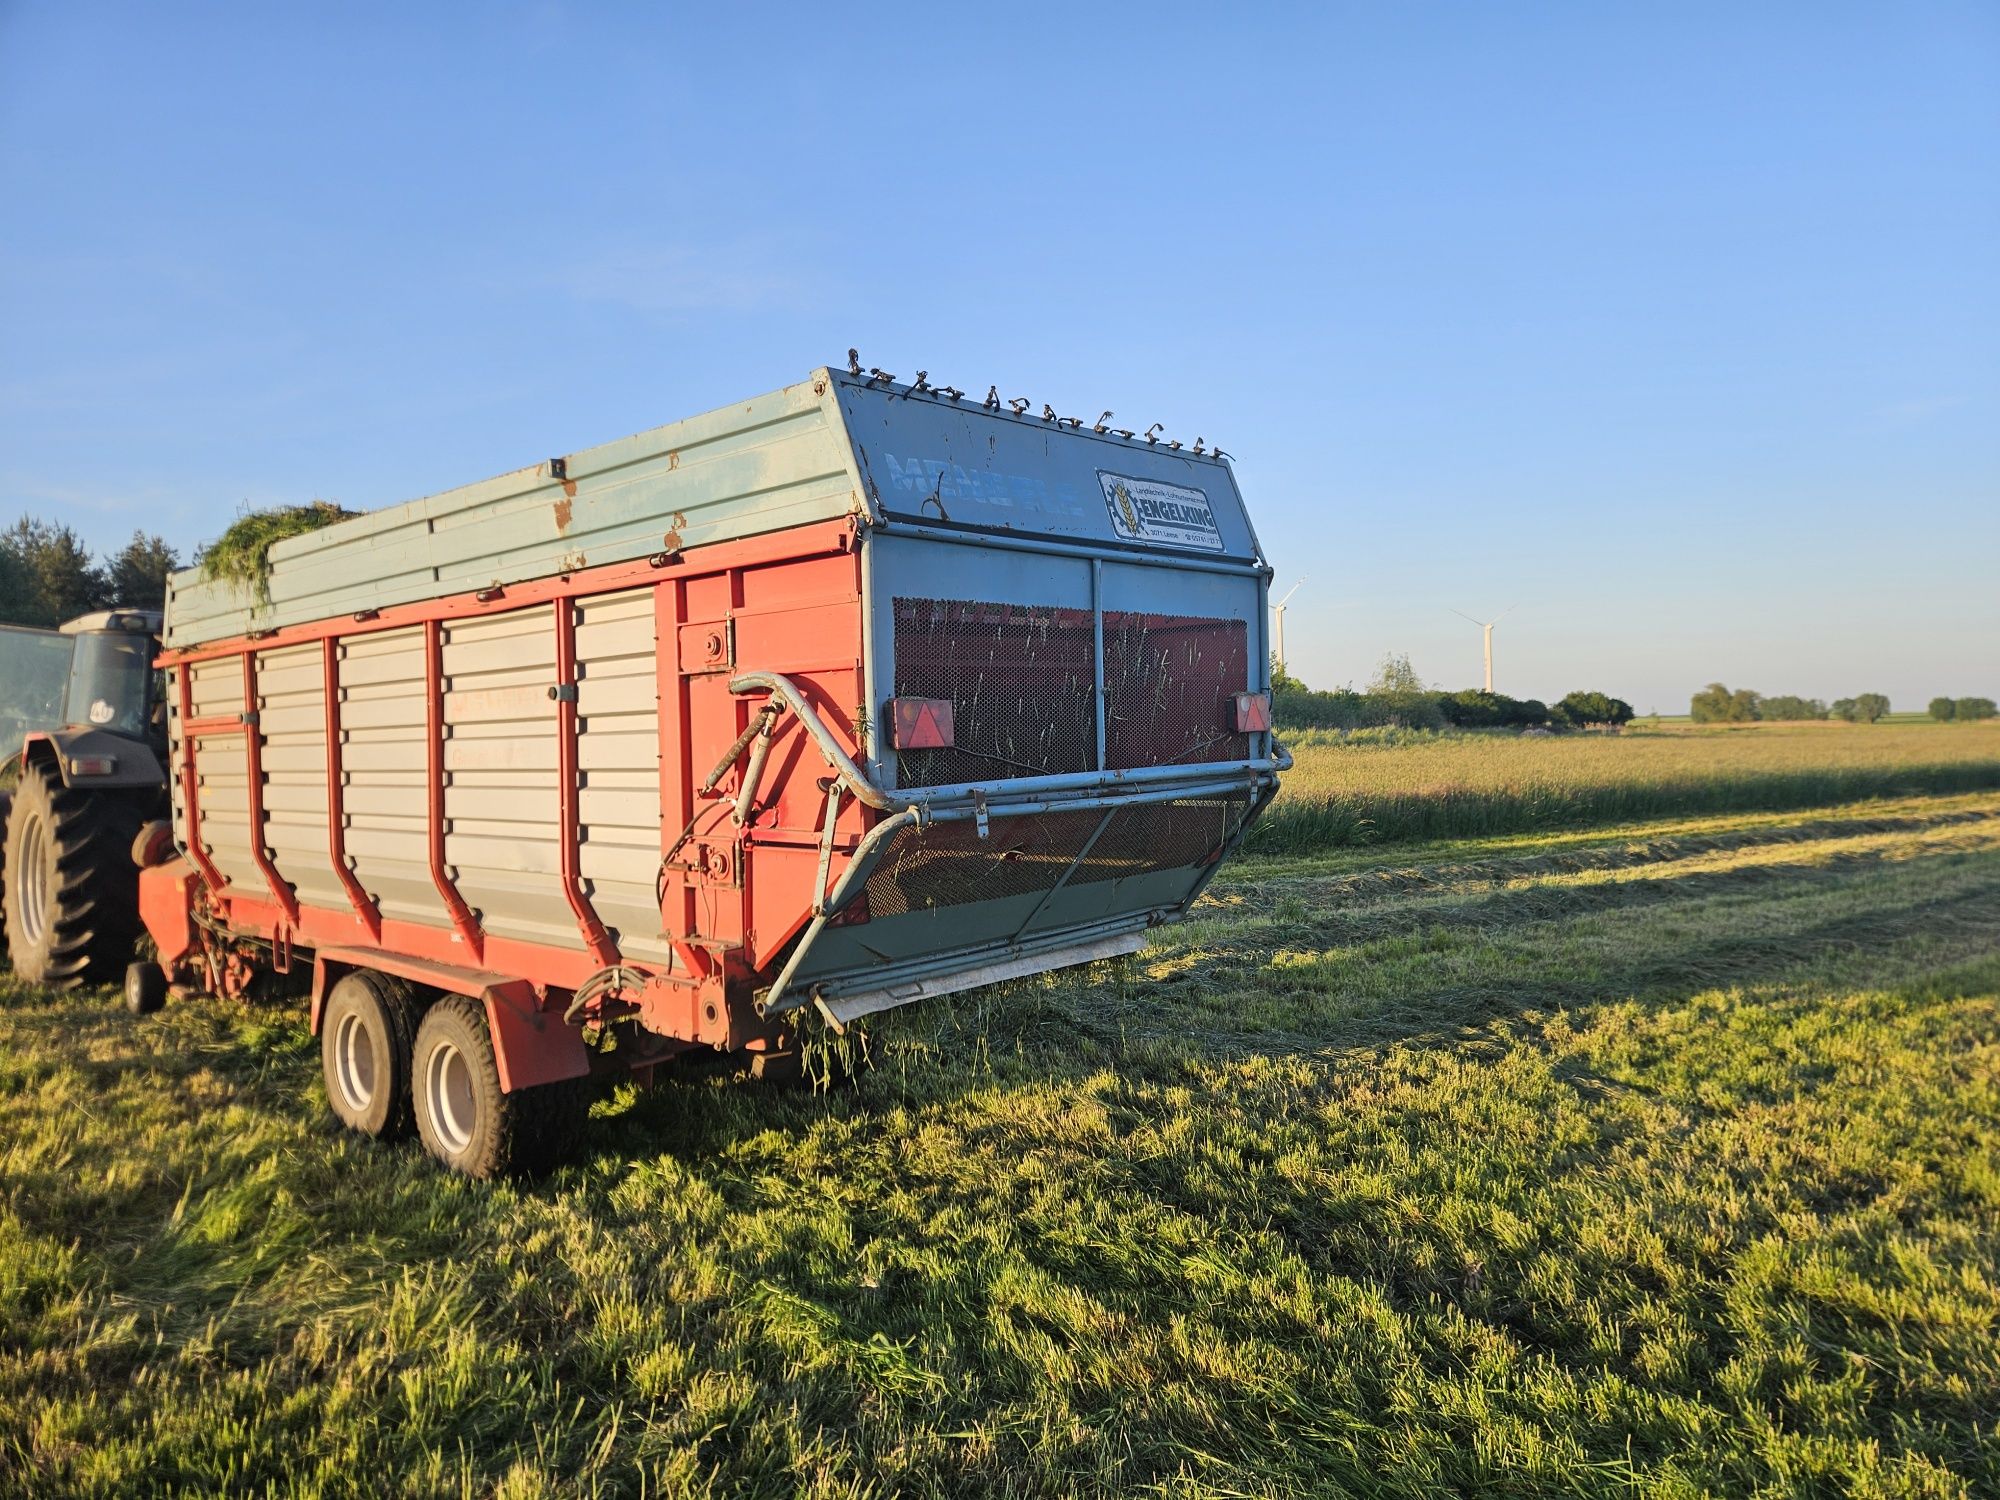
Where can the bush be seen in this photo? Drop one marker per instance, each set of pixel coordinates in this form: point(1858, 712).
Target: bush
point(1790, 706)
point(1715, 704)
point(1942, 709)
point(1580, 709)
point(1342, 708)
point(1474, 708)
point(1974, 708)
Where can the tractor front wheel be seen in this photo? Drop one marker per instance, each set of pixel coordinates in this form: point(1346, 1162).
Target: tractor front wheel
point(72, 891)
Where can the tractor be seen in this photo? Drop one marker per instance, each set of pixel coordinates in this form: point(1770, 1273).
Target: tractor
point(85, 729)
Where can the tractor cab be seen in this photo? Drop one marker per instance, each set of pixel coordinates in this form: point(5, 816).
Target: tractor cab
point(112, 684)
point(91, 680)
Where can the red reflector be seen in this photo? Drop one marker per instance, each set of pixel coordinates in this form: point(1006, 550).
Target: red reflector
point(1253, 712)
point(921, 723)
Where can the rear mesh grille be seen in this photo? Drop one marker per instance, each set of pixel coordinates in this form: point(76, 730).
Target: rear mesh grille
point(1170, 686)
point(1021, 683)
point(948, 864)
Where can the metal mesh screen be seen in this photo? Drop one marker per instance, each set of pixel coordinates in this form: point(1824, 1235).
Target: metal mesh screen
point(1170, 685)
point(948, 864)
point(1164, 836)
point(1020, 681)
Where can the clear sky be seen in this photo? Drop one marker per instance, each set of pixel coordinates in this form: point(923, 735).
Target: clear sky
point(1676, 327)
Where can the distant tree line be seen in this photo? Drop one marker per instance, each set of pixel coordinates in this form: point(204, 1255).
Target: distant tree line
point(1398, 698)
point(1963, 710)
point(48, 576)
point(1716, 704)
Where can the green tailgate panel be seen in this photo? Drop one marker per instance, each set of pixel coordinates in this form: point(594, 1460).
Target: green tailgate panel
point(943, 894)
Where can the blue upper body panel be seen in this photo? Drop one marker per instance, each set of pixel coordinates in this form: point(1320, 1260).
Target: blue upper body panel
point(926, 459)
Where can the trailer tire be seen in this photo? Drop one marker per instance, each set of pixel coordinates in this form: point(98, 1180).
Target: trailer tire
point(71, 891)
point(365, 1046)
point(465, 1119)
point(553, 1119)
point(145, 988)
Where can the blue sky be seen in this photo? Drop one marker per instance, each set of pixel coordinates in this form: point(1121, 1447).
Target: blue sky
point(1677, 328)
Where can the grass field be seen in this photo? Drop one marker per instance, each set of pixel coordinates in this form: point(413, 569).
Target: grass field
point(1458, 786)
point(1654, 1159)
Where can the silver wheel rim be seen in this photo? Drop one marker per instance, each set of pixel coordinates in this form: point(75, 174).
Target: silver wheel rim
point(354, 1064)
point(35, 875)
point(448, 1097)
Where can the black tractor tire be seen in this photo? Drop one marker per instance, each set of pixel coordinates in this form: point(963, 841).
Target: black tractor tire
point(6, 806)
point(366, 1033)
point(72, 891)
point(465, 1120)
point(145, 987)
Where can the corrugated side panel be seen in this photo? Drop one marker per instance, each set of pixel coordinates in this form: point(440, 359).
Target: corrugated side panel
point(618, 757)
point(221, 782)
point(176, 754)
point(759, 466)
point(500, 795)
point(291, 715)
point(384, 745)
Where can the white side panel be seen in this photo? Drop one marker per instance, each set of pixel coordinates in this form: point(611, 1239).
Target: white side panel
point(291, 715)
point(618, 759)
point(176, 756)
point(502, 809)
point(217, 687)
point(221, 783)
point(383, 745)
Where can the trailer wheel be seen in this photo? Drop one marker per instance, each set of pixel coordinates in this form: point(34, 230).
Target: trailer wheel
point(465, 1120)
point(72, 893)
point(365, 1048)
point(145, 988)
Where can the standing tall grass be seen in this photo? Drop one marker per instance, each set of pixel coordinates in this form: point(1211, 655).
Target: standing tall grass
point(1355, 791)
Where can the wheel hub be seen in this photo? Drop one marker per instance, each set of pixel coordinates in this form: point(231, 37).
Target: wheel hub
point(354, 1063)
point(36, 877)
point(449, 1097)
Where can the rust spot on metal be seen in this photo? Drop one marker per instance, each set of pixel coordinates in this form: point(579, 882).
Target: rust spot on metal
point(569, 488)
point(671, 541)
point(564, 507)
point(673, 460)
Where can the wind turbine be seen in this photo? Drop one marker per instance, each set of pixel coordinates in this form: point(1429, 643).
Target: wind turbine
point(1278, 609)
point(1487, 627)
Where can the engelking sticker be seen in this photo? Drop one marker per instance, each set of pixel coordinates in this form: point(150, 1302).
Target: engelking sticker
point(1166, 515)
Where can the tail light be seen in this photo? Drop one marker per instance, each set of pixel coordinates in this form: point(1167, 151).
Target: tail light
point(921, 723)
point(1253, 713)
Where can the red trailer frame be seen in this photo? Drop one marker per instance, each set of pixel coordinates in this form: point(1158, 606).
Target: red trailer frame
point(724, 923)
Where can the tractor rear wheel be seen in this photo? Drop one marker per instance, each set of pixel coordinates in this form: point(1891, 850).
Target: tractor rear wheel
point(6, 806)
point(72, 891)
